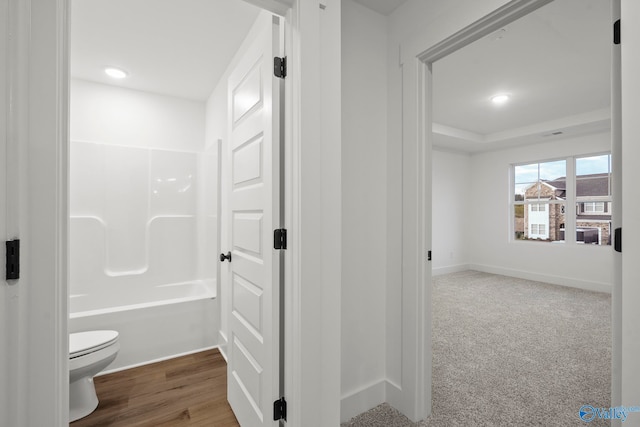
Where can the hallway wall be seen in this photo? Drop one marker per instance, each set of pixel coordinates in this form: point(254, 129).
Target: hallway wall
point(364, 200)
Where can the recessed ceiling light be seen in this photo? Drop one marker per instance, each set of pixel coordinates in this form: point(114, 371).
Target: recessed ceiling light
point(499, 99)
point(115, 73)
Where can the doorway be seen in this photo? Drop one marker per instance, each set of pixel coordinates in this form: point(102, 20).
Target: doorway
point(194, 108)
point(417, 91)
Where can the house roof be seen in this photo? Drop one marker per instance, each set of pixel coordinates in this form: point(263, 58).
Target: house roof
point(593, 185)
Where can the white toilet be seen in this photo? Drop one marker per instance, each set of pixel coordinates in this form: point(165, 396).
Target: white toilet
point(89, 353)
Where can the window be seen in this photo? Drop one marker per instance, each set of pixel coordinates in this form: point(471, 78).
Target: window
point(544, 196)
point(593, 207)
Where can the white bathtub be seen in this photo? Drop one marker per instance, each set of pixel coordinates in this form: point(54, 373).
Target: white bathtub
point(161, 322)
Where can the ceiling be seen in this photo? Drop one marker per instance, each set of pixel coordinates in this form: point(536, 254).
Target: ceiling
point(383, 7)
point(554, 63)
point(173, 47)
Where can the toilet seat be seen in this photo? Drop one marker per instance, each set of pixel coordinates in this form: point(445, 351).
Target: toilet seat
point(82, 343)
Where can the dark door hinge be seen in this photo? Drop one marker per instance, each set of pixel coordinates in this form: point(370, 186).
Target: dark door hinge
point(428, 255)
point(616, 32)
point(13, 259)
point(280, 67)
point(280, 238)
point(280, 409)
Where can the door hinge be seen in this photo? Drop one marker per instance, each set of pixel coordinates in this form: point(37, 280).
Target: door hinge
point(280, 409)
point(617, 239)
point(280, 238)
point(616, 32)
point(280, 67)
point(428, 255)
point(13, 259)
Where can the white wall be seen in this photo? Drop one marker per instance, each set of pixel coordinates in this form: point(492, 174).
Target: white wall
point(364, 199)
point(452, 182)
point(490, 250)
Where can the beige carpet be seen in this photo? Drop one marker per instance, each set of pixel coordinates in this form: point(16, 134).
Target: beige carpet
point(512, 352)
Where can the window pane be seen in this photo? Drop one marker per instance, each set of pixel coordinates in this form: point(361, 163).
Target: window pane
point(525, 176)
point(540, 180)
point(593, 164)
point(593, 222)
point(551, 171)
point(593, 176)
point(518, 221)
point(540, 222)
point(526, 173)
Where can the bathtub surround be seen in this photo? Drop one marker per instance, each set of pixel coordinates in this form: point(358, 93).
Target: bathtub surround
point(141, 223)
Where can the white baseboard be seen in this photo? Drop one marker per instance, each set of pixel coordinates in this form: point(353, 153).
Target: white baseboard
point(160, 359)
point(554, 280)
point(449, 269)
point(396, 398)
point(362, 400)
point(222, 345)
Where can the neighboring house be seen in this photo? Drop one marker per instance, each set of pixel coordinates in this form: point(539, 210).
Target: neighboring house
point(545, 220)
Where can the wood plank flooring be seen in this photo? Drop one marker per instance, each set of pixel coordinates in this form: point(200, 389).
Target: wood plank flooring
point(185, 391)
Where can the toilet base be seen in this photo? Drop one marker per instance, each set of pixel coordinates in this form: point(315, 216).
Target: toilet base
point(82, 398)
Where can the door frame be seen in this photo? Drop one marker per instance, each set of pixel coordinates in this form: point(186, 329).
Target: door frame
point(417, 56)
point(40, 115)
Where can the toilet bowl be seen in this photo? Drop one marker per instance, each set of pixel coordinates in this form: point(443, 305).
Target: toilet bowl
point(89, 353)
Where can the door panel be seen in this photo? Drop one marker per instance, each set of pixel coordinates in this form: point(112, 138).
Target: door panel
point(253, 212)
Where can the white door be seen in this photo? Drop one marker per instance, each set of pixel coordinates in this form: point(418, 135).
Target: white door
point(253, 214)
